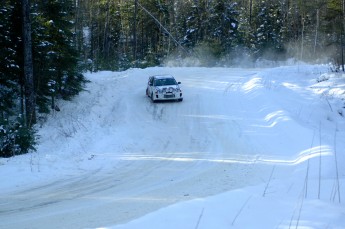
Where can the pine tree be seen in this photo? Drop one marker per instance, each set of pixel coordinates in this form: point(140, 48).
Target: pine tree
point(225, 34)
point(56, 56)
point(55, 67)
point(9, 69)
point(333, 26)
point(16, 134)
point(268, 27)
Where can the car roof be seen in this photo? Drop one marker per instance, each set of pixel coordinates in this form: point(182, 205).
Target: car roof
point(163, 76)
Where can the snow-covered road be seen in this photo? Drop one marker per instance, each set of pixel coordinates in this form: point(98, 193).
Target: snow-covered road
point(111, 155)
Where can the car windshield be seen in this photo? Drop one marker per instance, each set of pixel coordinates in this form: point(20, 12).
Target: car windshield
point(165, 81)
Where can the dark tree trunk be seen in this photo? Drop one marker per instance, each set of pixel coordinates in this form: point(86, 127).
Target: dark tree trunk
point(250, 11)
point(342, 34)
point(30, 102)
point(135, 31)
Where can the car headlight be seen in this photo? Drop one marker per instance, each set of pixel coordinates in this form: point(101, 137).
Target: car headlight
point(158, 90)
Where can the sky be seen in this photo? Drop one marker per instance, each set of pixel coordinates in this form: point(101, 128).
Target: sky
point(247, 148)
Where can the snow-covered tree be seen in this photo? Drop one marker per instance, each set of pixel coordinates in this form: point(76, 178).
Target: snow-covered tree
point(16, 136)
point(53, 72)
point(56, 57)
point(223, 24)
point(268, 24)
point(9, 68)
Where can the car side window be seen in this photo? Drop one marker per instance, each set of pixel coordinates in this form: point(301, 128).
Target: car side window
point(151, 81)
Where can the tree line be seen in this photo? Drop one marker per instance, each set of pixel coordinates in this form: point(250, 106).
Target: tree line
point(140, 33)
point(39, 64)
point(46, 45)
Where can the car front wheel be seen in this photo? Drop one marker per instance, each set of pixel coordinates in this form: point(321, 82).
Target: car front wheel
point(153, 100)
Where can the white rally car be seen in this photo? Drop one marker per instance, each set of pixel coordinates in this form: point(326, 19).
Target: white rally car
point(163, 87)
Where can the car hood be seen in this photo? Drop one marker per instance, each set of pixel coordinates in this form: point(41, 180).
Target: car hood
point(167, 87)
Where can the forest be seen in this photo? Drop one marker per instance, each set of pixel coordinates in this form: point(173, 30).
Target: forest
point(45, 46)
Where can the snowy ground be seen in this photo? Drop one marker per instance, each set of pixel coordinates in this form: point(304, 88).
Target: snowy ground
point(247, 148)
